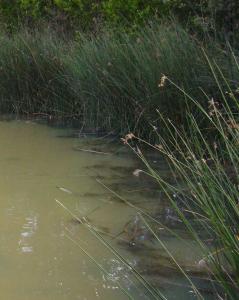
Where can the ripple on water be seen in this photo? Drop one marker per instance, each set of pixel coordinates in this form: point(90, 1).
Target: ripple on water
point(28, 229)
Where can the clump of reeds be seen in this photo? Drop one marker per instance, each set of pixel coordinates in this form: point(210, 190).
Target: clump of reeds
point(109, 81)
point(117, 75)
point(32, 73)
point(204, 159)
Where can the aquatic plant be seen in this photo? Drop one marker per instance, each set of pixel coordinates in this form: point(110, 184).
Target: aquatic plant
point(31, 67)
point(109, 82)
point(205, 161)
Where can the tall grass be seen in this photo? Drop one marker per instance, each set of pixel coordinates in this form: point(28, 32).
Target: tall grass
point(110, 81)
point(117, 75)
point(205, 161)
point(31, 71)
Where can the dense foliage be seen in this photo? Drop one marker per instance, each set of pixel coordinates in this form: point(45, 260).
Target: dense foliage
point(88, 14)
point(111, 81)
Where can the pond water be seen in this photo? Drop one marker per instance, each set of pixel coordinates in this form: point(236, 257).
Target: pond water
point(47, 178)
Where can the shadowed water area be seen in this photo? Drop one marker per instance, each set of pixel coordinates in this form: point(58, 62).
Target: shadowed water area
point(57, 197)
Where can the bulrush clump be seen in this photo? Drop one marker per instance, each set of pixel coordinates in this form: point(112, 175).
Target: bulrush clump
point(162, 81)
point(137, 172)
point(127, 138)
point(213, 107)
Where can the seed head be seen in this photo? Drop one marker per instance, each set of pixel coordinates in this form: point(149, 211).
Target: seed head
point(159, 146)
point(137, 172)
point(162, 81)
point(127, 138)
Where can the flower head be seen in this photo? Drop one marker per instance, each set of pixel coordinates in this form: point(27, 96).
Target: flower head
point(162, 81)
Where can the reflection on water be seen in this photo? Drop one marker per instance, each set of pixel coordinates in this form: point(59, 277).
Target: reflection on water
point(45, 252)
point(28, 229)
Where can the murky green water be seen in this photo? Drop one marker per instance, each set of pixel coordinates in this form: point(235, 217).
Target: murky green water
point(41, 243)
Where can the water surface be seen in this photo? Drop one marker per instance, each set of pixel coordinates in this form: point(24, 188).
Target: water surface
point(41, 242)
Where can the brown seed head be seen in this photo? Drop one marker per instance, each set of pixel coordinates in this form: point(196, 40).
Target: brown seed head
point(162, 81)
